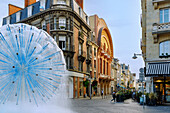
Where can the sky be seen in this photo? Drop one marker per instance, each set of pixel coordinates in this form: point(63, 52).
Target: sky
point(122, 18)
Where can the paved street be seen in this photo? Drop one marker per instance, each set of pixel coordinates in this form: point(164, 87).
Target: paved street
point(98, 105)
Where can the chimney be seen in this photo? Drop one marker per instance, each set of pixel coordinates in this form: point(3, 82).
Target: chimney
point(29, 2)
point(80, 3)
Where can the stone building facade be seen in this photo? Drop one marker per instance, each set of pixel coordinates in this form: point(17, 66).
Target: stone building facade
point(155, 46)
point(68, 24)
point(104, 53)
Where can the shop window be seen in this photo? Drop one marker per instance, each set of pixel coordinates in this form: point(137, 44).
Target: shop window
point(62, 42)
point(164, 15)
point(62, 23)
point(164, 48)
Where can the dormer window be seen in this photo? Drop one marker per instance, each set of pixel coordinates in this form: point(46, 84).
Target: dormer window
point(29, 9)
point(18, 16)
point(42, 5)
point(80, 11)
point(8, 20)
point(61, 2)
point(87, 19)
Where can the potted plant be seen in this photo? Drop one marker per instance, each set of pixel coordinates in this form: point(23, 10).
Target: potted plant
point(153, 99)
point(62, 27)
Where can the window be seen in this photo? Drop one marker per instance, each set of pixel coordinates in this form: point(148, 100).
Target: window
point(94, 63)
point(87, 19)
point(68, 62)
point(94, 51)
point(62, 42)
point(69, 45)
point(69, 24)
point(55, 25)
point(18, 16)
point(164, 15)
point(42, 5)
point(80, 12)
point(95, 75)
point(80, 66)
point(100, 65)
point(29, 11)
point(62, 23)
point(103, 67)
point(43, 25)
point(164, 48)
point(80, 48)
point(61, 2)
point(8, 20)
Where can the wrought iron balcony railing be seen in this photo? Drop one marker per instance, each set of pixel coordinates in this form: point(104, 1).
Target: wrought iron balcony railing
point(60, 26)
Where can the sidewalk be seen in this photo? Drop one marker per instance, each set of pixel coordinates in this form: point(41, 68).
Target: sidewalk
point(96, 97)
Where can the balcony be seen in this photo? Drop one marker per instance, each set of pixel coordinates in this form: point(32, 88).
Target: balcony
point(161, 28)
point(102, 76)
point(156, 1)
point(60, 27)
point(82, 56)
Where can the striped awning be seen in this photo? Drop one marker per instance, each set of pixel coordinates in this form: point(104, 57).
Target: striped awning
point(158, 69)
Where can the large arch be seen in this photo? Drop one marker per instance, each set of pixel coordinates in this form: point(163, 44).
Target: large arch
point(109, 37)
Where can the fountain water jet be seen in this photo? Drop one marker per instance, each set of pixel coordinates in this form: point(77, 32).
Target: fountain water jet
point(32, 69)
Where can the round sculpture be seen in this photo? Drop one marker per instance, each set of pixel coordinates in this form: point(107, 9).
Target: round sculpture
point(31, 64)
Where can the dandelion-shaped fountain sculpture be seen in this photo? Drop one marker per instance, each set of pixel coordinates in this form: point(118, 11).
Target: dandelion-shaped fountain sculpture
point(31, 64)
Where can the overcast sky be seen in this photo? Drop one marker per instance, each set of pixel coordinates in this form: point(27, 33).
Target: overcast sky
point(123, 20)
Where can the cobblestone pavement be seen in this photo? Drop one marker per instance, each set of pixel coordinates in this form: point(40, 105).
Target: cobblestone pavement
point(98, 105)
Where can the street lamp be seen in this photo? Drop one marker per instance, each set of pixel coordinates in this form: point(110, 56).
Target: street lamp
point(135, 57)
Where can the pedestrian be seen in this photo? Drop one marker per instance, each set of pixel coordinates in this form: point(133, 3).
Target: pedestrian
point(102, 93)
point(114, 96)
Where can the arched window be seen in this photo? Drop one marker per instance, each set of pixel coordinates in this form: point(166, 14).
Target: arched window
point(164, 48)
point(62, 23)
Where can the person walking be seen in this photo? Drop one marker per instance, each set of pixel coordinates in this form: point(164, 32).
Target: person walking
point(102, 93)
point(114, 96)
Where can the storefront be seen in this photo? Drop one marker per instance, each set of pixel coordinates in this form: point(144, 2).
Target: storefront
point(160, 73)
